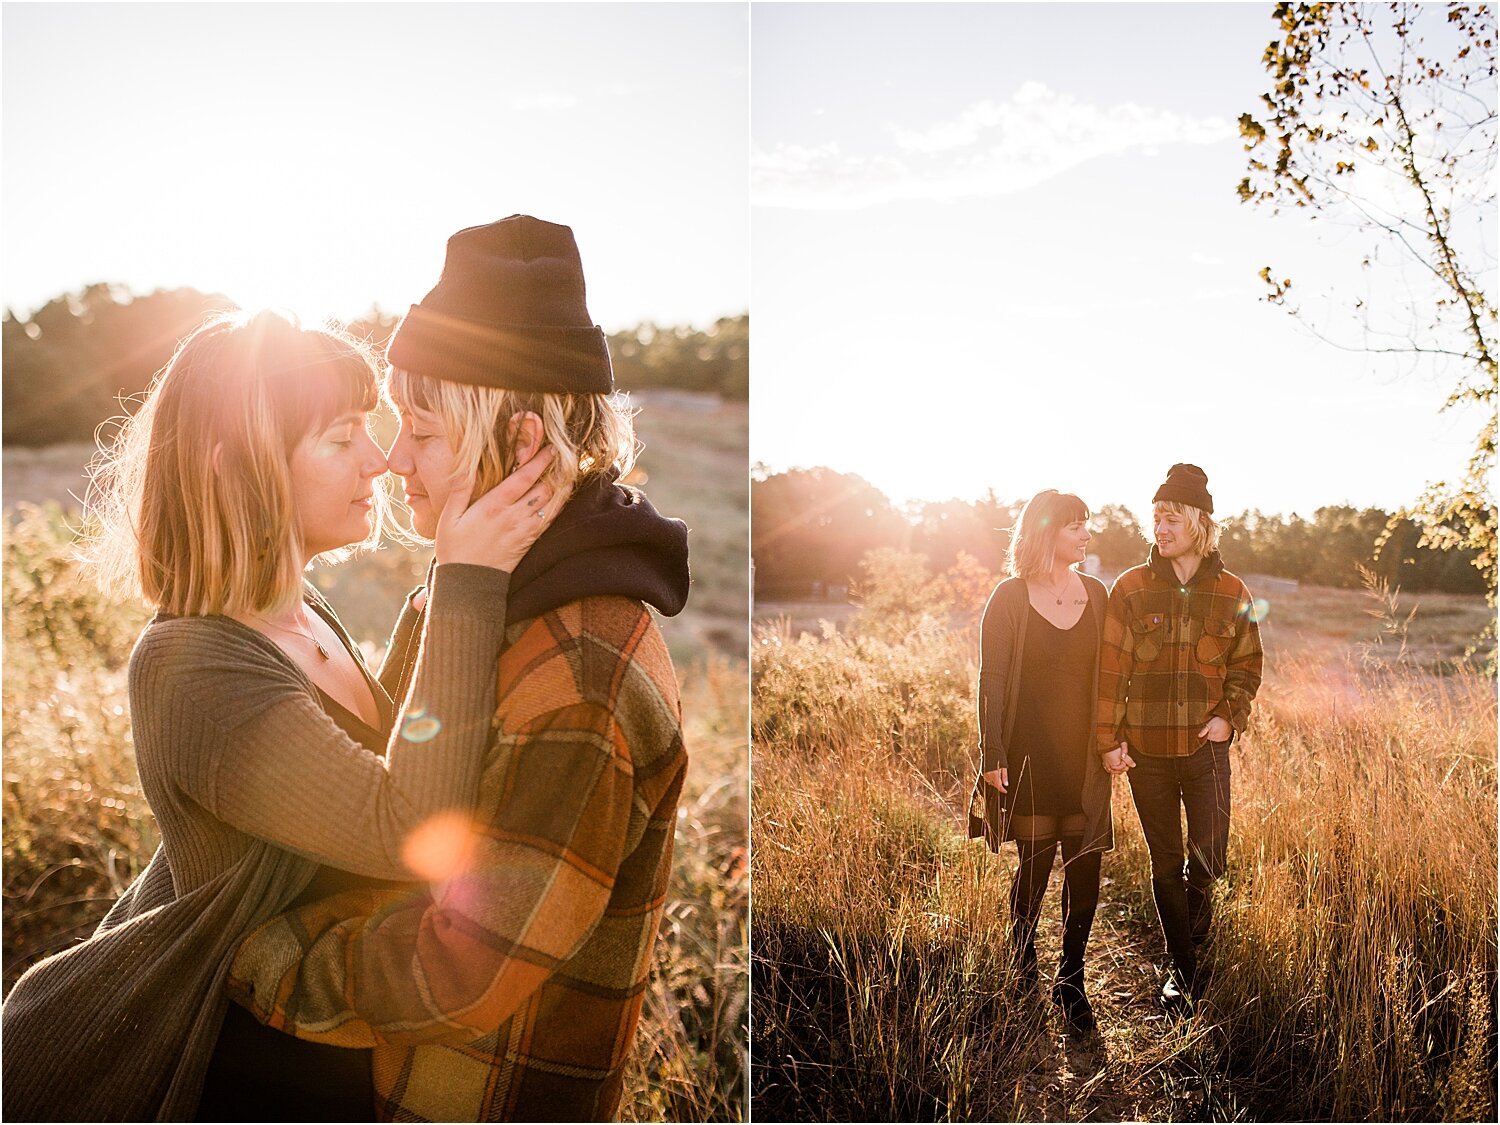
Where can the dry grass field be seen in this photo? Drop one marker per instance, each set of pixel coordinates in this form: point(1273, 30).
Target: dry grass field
point(1355, 949)
point(77, 829)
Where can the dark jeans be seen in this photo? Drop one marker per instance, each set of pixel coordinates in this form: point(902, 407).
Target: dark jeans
point(1182, 883)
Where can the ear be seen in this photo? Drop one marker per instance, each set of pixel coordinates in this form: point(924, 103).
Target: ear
point(527, 436)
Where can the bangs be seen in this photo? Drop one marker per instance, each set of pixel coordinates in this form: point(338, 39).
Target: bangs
point(335, 379)
point(1069, 509)
point(406, 391)
point(461, 405)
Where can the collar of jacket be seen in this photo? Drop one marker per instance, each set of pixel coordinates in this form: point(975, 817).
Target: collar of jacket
point(1208, 569)
point(608, 539)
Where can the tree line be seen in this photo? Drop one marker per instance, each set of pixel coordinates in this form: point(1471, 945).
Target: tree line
point(68, 366)
point(811, 530)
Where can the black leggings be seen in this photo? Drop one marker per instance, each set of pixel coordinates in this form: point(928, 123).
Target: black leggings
point(1080, 896)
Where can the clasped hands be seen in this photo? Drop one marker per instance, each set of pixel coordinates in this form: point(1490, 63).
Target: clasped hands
point(1119, 760)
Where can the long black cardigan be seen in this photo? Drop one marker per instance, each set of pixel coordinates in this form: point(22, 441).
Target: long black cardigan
point(1002, 641)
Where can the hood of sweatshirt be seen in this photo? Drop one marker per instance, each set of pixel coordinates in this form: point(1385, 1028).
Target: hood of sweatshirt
point(608, 539)
point(1211, 565)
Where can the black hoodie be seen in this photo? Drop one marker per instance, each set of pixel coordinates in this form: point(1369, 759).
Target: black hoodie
point(608, 539)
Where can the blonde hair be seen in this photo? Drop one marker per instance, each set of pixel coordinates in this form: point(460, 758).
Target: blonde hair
point(591, 434)
point(1033, 543)
point(1203, 530)
point(191, 505)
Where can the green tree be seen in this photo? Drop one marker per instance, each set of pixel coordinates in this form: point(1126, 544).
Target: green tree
point(68, 367)
point(1382, 119)
point(809, 528)
point(1118, 539)
point(945, 531)
point(715, 360)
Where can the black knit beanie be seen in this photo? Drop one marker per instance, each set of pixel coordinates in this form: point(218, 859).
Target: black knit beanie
point(1186, 484)
point(507, 312)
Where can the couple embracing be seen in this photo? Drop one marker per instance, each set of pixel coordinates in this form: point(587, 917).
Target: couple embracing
point(427, 893)
point(1152, 680)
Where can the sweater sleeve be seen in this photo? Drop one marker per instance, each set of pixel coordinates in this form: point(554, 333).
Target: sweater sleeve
point(537, 877)
point(996, 643)
point(400, 662)
point(274, 765)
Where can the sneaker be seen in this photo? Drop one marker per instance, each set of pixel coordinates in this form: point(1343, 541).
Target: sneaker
point(1173, 998)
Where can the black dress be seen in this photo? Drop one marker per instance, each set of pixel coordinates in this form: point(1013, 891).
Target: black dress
point(260, 1074)
point(1054, 717)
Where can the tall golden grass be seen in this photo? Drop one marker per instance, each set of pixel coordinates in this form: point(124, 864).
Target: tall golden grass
point(77, 828)
point(1354, 953)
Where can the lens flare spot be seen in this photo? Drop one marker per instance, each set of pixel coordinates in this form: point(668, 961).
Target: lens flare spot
point(1259, 610)
point(420, 727)
point(441, 847)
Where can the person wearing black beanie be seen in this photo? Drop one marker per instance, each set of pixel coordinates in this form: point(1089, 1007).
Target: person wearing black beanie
point(1179, 667)
point(514, 988)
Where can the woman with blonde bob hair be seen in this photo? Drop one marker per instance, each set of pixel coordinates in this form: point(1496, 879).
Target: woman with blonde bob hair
point(279, 769)
point(1040, 782)
point(523, 973)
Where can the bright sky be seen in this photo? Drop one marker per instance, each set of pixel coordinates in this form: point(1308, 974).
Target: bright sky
point(318, 156)
point(999, 246)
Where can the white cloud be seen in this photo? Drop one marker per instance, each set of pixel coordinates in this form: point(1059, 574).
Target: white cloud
point(989, 148)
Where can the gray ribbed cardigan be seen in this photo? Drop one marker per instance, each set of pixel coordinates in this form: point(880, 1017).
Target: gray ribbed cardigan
point(1001, 647)
point(253, 786)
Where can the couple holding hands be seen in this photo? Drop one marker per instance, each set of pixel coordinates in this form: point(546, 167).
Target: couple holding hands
point(1152, 680)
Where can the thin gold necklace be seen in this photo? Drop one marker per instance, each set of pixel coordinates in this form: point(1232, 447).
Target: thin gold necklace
point(317, 644)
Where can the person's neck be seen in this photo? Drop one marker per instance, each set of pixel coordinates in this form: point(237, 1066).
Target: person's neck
point(294, 615)
point(1059, 577)
point(1185, 566)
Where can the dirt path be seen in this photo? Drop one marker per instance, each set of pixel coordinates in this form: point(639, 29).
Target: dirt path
point(1139, 1067)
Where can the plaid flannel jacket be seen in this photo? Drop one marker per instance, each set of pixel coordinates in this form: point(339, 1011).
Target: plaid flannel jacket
point(1174, 655)
point(512, 990)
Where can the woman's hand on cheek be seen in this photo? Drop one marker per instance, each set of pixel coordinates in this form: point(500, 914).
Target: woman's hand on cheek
point(498, 529)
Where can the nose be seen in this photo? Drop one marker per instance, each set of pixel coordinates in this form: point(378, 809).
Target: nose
point(400, 460)
point(375, 462)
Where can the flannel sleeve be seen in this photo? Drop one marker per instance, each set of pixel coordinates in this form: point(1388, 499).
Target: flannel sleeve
point(529, 883)
point(995, 646)
point(1242, 668)
point(1116, 665)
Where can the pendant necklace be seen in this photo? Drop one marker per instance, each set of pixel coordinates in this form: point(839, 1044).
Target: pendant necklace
point(307, 635)
point(1058, 593)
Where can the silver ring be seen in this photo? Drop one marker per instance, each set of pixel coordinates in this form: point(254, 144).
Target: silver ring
point(541, 513)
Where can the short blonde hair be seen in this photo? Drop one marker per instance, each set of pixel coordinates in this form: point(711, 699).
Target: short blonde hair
point(1203, 531)
point(591, 434)
point(1033, 543)
point(191, 505)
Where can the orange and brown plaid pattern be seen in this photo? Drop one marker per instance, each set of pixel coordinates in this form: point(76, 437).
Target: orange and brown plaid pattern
point(1174, 655)
point(511, 991)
